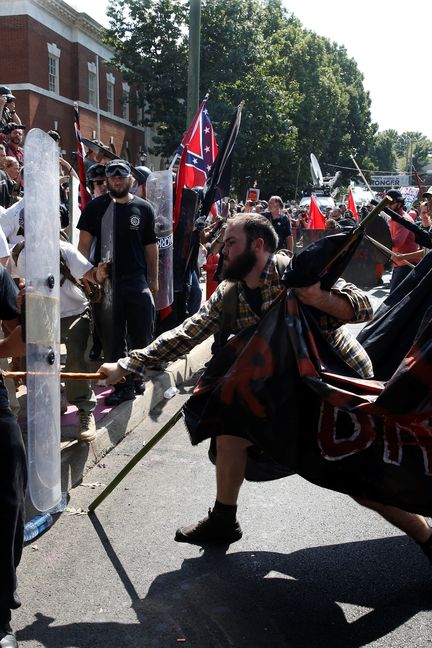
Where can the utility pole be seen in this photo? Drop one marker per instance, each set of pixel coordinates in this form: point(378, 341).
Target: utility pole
point(194, 59)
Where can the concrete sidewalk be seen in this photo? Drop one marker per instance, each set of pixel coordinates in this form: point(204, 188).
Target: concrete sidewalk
point(78, 458)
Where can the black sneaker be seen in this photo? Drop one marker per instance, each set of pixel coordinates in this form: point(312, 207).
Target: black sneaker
point(7, 637)
point(95, 352)
point(426, 547)
point(119, 396)
point(139, 386)
point(213, 529)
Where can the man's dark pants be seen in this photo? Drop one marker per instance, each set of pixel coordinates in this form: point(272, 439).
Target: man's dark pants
point(13, 481)
point(133, 320)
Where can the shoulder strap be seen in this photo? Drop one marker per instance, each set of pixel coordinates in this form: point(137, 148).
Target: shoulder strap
point(229, 311)
point(67, 274)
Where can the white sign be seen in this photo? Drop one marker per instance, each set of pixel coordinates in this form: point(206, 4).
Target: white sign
point(390, 181)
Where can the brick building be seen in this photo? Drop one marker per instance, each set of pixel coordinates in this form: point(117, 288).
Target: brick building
point(51, 56)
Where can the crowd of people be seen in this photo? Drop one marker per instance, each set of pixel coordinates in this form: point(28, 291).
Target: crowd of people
point(248, 237)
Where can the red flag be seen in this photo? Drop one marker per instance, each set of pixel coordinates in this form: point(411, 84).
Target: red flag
point(419, 184)
point(316, 219)
point(352, 206)
point(85, 195)
point(202, 148)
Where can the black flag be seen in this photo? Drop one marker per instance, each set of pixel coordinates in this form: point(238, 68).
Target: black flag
point(219, 178)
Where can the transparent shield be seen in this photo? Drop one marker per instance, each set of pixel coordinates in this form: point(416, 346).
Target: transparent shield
point(41, 227)
point(108, 299)
point(160, 194)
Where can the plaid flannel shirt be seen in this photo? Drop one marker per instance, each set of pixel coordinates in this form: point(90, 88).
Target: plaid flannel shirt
point(171, 345)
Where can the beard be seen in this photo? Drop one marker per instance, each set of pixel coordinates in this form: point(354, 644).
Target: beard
point(239, 267)
point(118, 193)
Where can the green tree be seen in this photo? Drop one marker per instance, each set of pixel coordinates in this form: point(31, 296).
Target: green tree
point(150, 44)
point(302, 93)
point(383, 152)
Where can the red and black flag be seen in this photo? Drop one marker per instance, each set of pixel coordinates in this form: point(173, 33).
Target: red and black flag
point(85, 195)
point(281, 385)
point(284, 388)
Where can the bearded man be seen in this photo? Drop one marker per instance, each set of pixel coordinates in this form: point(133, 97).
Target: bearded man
point(250, 243)
point(135, 267)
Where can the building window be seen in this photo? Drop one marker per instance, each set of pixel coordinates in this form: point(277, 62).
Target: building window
point(110, 92)
point(125, 100)
point(92, 84)
point(53, 67)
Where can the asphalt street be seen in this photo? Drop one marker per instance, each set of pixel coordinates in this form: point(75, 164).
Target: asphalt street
point(313, 568)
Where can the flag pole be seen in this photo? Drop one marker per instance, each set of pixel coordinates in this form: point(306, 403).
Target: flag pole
point(139, 455)
point(361, 174)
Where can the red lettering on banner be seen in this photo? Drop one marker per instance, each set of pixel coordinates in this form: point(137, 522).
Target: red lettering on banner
point(255, 362)
point(414, 433)
point(332, 448)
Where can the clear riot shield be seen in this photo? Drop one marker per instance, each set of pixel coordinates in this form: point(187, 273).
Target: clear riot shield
point(108, 299)
point(160, 194)
point(74, 211)
point(42, 308)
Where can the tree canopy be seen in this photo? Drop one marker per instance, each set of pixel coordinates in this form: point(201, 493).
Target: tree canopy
point(302, 92)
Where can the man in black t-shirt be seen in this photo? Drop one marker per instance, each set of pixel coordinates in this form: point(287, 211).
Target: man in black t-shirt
point(13, 470)
point(281, 223)
point(135, 265)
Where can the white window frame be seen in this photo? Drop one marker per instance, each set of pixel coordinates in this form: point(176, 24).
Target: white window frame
point(92, 84)
point(125, 101)
point(110, 93)
point(53, 68)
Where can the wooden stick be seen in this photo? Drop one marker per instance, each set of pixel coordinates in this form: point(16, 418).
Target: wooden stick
point(383, 248)
point(65, 375)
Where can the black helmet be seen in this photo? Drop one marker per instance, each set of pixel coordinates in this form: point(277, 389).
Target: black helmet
point(141, 173)
point(96, 171)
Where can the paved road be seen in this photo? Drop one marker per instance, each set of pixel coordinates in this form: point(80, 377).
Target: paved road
point(312, 570)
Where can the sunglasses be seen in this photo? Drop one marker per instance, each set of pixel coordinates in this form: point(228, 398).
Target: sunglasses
point(99, 182)
point(121, 171)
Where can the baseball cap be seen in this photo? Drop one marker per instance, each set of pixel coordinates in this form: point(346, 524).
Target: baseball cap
point(117, 168)
point(12, 126)
point(4, 90)
point(428, 192)
point(394, 194)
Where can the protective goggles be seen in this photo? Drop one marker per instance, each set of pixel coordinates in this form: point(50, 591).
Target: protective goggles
point(121, 170)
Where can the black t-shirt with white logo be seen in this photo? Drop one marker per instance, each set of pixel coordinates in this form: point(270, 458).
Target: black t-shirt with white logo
point(134, 229)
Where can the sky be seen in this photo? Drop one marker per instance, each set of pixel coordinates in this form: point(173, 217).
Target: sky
point(390, 40)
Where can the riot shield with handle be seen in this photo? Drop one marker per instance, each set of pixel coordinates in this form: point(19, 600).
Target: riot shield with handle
point(160, 194)
point(107, 306)
point(42, 322)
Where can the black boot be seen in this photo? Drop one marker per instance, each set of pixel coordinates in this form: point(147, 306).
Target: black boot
point(120, 394)
point(216, 528)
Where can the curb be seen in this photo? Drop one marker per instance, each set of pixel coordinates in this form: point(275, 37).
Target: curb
point(78, 458)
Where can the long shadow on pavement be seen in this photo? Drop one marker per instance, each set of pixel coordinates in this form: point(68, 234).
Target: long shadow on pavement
point(311, 598)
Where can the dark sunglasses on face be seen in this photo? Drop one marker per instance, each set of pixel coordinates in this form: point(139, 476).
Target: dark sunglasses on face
point(99, 182)
point(110, 172)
